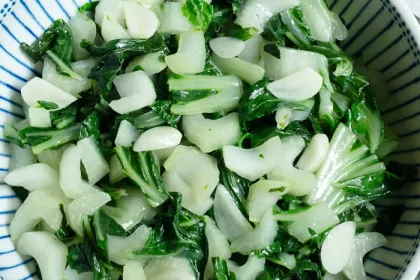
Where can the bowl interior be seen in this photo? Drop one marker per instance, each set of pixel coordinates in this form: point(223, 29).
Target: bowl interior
point(380, 39)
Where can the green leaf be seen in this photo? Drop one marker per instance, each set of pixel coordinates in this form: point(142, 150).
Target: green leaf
point(177, 232)
point(57, 38)
point(105, 225)
point(243, 34)
point(273, 49)
point(48, 105)
point(354, 87)
point(64, 117)
point(90, 127)
point(65, 232)
point(77, 258)
point(163, 109)
point(236, 186)
point(199, 13)
point(275, 30)
point(221, 270)
point(141, 168)
point(112, 57)
point(88, 7)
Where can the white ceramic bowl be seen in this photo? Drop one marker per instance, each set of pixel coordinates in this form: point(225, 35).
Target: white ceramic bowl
point(383, 35)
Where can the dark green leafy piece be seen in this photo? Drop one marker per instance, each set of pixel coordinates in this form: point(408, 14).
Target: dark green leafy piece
point(163, 109)
point(77, 258)
point(366, 122)
point(88, 7)
point(237, 186)
point(199, 13)
point(141, 168)
point(105, 225)
point(90, 127)
point(353, 86)
point(100, 267)
point(47, 105)
point(275, 30)
point(177, 232)
point(114, 54)
point(273, 49)
point(243, 34)
point(297, 30)
point(57, 38)
point(65, 232)
point(64, 117)
point(221, 270)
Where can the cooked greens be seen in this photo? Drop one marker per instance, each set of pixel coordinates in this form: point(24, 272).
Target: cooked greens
point(200, 140)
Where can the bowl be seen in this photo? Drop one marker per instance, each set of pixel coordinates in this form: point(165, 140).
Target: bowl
point(384, 39)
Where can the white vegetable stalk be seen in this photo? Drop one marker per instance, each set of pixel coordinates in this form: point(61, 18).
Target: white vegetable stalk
point(126, 134)
point(113, 7)
point(133, 270)
point(293, 60)
point(227, 47)
point(315, 154)
point(70, 175)
point(251, 52)
point(228, 217)
point(339, 276)
point(84, 206)
point(253, 163)
point(250, 73)
point(196, 168)
point(325, 25)
point(264, 195)
point(49, 253)
point(299, 86)
point(163, 154)
point(174, 268)
point(341, 236)
point(68, 84)
point(286, 260)
point(112, 30)
point(255, 13)
point(137, 91)
point(262, 236)
point(174, 183)
point(39, 117)
point(119, 248)
point(150, 62)
point(72, 274)
point(141, 22)
point(116, 171)
point(326, 107)
point(38, 89)
point(319, 218)
point(147, 3)
point(210, 135)
point(250, 270)
point(38, 176)
point(20, 157)
point(52, 157)
point(218, 246)
point(82, 27)
point(95, 165)
point(300, 182)
point(363, 243)
point(191, 55)
point(37, 207)
point(131, 209)
point(134, 83)
point(158, 138)
point(172, 19)
point(285, 116)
